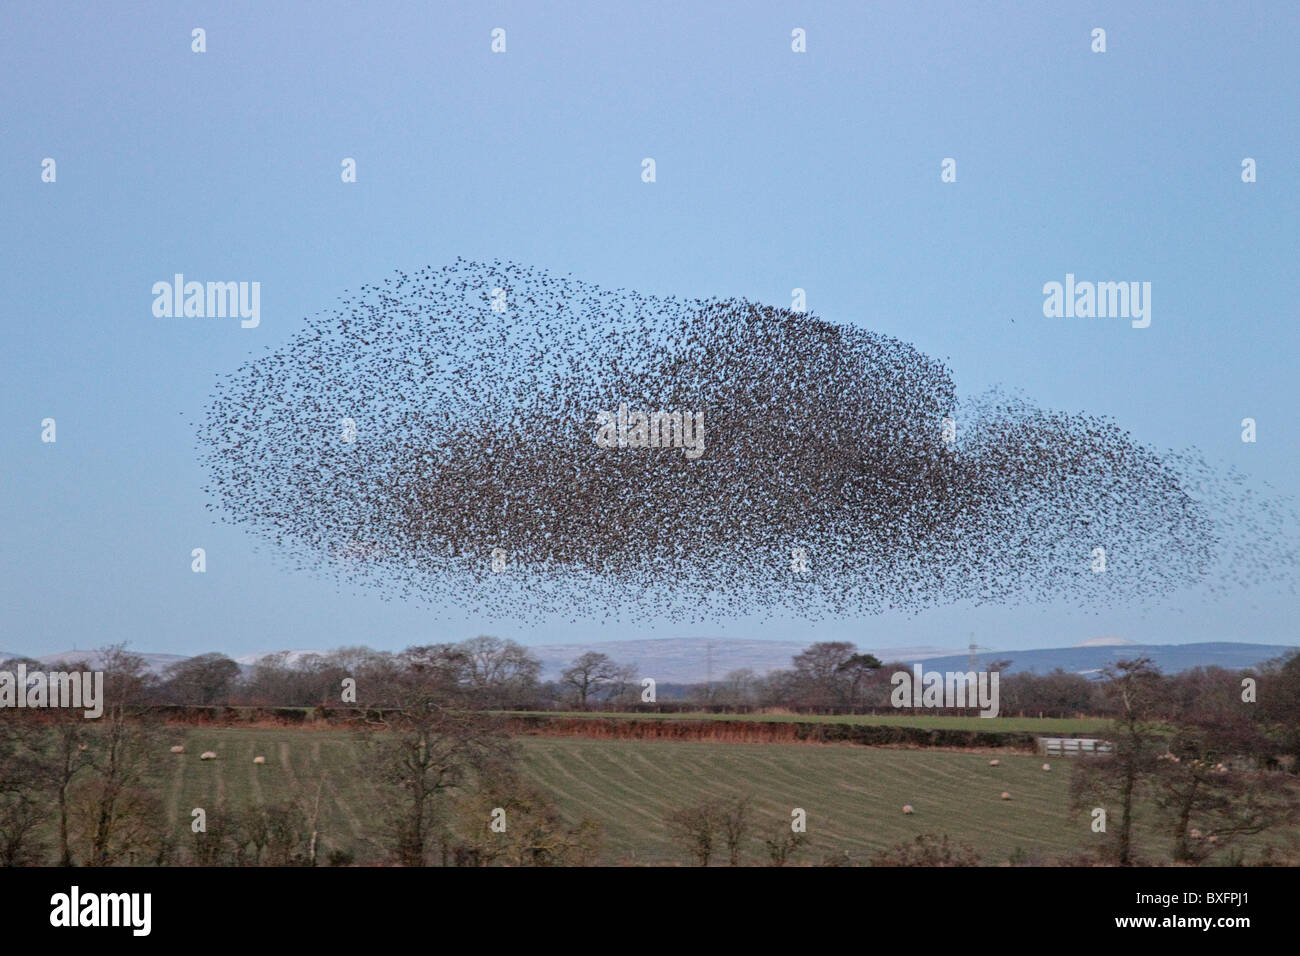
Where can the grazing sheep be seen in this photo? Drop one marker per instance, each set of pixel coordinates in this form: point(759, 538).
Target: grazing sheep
point(259, 760)
point(178, 749)
point(1047, 766)
point(208, 755)
point(1194, 833)
point(1005, 795)
point(907, 808)
point(993, 763)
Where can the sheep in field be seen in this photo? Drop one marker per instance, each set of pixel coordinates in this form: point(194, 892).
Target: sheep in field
point(178, 749)
point(259, 760)
point(993, 763)
point(1005, 795)
point(208, 755)
point(907, 808)
point(1047, 766)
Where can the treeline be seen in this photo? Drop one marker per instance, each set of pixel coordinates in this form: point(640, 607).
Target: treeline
point(493, 674)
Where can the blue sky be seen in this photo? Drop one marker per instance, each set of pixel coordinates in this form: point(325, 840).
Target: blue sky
point(775, 170)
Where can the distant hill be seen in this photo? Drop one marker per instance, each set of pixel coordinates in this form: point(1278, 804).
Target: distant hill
point(157, 663)
point(291, 657)
point(1091, 658)
point(1104, 642)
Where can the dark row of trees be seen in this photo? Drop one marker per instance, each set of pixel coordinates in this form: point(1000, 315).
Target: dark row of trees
point(484, 672)
point(493, 674)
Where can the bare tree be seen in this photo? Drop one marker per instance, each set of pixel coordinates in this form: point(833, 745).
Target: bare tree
point(591, 673)
point(214, 844)
point(784, 845)
point(737, 686)
point(271, 682)
point(46, 758)
point(203, 680)
point(1210, 789)
point(695, 829)
point(21, 816)
point(927, 849)
point(1135, 689)
point(314, 823)
point(498, 672)
point(1279, 705)
point(117, 824)
point(819, 675)
point(735, 818)
point(532, 831)
point(857, 669)
point(288, 834)
point(427, 748)
point(67, 758)
point(119, 819)
point(22, 801)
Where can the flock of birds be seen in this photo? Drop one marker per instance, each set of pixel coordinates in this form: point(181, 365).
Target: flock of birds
point(435, 437)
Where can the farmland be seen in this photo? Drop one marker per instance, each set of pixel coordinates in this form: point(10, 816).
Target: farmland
point(853, 795)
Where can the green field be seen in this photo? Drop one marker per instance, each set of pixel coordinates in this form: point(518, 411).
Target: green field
point(853, 796)
point(1044, 725)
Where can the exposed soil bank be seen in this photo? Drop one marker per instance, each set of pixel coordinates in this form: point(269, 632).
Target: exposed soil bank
point(620, 728)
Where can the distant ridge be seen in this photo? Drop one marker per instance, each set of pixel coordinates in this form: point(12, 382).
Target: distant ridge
point(1105, 642)
point(157, 663)
point(291, 656)
point(1091, 658)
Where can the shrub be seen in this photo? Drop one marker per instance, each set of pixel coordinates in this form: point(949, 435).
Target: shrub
point(927, 849)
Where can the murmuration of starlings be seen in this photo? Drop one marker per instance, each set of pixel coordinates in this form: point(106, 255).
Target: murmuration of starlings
point(524, 444)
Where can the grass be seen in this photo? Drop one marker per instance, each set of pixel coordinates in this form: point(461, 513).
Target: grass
point(853, 796)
